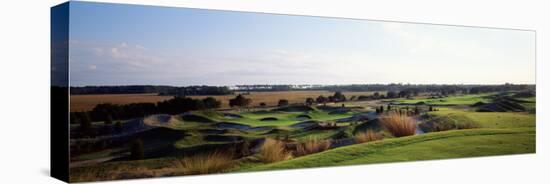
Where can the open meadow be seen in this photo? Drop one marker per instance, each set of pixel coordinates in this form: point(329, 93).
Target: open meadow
point(88, 102)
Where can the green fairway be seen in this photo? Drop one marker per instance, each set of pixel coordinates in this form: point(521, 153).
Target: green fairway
point(440, 145)
point(489, 119)
point(450, 100)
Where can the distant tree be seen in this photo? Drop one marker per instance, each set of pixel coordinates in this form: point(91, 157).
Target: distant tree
point(137, 150)
point(391, 94)
point(322, 100)
point(381, 109)
point(211, 103)
point(352, 98)
point(309, 101)
point(389, 107)
point(262, 104)
point(179, 105)
point(282, 102)
point(338, 97)
point(430, 108)
point(376, 95)
point(240, 101)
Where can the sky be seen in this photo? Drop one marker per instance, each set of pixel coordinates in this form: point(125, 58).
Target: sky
point(114, 44)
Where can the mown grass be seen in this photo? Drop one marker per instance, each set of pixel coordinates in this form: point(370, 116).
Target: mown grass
point(450, 100)
point(490, 119)
point(440, 145)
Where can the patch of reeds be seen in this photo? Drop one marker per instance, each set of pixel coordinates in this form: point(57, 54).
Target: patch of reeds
point(206, 163)
point(312, 145)
point(274, 151)
point(367, 136)
point(399, 124)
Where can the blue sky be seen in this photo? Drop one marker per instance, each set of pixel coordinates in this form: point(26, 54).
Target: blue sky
point(112, 44)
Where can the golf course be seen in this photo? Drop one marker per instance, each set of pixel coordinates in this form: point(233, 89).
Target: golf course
point(306, 134)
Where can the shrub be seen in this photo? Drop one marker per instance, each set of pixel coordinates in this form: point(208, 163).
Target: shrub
point(399, 124)
point(239, 101)
point(444, 123)
point(282, 102)
point(213, 162)
point(273, 151)
point(312, 145)
point(367, 136)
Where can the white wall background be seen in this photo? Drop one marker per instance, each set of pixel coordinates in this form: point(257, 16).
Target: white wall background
point(24, 104)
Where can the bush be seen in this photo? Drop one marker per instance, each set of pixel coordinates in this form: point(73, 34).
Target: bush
point(283, 102)
point(399, 124)
point(312, 145)
point(273, 151)
point(239, 101)
point(214, 162)
point(367, 136)
point(444, 123)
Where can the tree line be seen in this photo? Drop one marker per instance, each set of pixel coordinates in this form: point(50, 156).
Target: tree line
point(107, 112)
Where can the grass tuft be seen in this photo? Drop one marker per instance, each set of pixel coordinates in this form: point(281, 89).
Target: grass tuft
point(214, 162)
point(312, 145)
point(399, 124)
point(367, 136)
point(273, 151)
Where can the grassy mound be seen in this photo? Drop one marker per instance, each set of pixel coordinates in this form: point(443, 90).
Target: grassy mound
point(440, 145)
point(196, 118)
point(503, 104)
point(524, 94)
point(489, 119)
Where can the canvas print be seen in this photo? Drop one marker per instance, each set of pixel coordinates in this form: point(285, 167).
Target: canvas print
point(165, 91)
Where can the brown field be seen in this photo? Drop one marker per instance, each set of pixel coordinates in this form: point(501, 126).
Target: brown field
point(88, 102)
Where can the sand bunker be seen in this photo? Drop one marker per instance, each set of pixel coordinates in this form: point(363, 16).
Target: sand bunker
point(269, 119)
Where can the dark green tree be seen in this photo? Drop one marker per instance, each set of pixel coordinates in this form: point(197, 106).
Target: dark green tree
point(309, 101)
point(240, 101)
point(322, 100)
point(282, 102)
point(211, 103)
